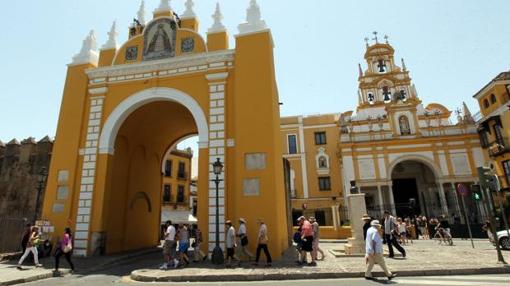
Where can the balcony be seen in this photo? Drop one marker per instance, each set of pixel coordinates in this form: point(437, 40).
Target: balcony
point(499, 147)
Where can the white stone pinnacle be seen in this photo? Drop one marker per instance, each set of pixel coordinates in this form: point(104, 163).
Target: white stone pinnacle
point(217, 25)
point(112, 38)
point(88, 53)
point(141, 13)
point(188, 13)
point(164, 6)
point(254, 22)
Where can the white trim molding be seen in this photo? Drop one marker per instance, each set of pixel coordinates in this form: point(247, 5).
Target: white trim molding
point(130, 104)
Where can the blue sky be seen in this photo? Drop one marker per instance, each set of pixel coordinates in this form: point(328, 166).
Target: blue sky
point(452, 48)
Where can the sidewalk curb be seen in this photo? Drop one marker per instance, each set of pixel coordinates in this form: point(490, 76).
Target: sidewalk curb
point(33, 278)
point(139, 276)
point(120, 259)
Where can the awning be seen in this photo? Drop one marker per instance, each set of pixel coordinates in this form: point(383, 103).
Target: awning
point(177, 216)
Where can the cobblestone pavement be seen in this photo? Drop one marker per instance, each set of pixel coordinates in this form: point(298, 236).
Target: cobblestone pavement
point(424, 257)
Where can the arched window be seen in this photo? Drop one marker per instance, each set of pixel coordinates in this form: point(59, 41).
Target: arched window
point(323, 162)
point(493, 98)
point(403, 122)
point(485, 103)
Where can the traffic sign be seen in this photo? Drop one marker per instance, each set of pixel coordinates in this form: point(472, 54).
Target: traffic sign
point(462, 189)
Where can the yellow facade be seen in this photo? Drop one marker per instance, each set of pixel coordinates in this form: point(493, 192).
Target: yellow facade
point(123, 108)
point(494, 125)
point(175, 191)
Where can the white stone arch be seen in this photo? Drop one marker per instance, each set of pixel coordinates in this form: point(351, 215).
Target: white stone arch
point(434, 168)
point(127, 106)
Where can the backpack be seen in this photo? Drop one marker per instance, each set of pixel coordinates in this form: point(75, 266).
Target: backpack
point(297, 237)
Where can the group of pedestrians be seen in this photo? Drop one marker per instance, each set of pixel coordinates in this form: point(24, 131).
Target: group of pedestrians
point(307, 241)
point(31, 241)
point(176, 244)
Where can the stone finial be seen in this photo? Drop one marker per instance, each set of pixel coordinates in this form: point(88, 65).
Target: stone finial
point(404, 68)
point(188, 13)
point(217, 25)
point(164, 6)
point(254, 22)
point(413, 91)
point(88, 53)
point(141, 13)
point(360, 71)
point(468, 118)
point(112, 38)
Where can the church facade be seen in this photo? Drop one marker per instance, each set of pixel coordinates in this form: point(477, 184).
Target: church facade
point(405, 156)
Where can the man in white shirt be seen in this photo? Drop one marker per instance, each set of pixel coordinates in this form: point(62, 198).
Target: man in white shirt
point(390, 224)
point(169, 246)
point(231, 244)
point(243, 239)
point(374, 252)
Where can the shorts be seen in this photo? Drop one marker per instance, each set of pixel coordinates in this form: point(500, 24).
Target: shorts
point(230, 252)
point(169, 248)
point(307, 244)
point(183, 247)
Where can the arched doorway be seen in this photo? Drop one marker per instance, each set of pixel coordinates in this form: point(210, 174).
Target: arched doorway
point(415, 189)
point(142, 129)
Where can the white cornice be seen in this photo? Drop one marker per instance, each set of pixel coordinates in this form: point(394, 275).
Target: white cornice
point(165, 64)
point(99, 90)
point(216, 76)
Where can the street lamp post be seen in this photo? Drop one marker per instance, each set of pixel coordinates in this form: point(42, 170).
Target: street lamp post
point(217, 255)
point(41, 179)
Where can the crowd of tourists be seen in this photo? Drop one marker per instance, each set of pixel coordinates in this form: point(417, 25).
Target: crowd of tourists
point(177, 243)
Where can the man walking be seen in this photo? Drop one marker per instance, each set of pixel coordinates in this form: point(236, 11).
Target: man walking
point(243, 239)
point(390, 224)
point(169, 246)
point(316, 236)
point(374, 252)
point(231, 244)
point(262, 244)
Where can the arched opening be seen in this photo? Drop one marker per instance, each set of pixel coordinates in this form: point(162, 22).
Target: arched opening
point(415, 189)
point(142, 133)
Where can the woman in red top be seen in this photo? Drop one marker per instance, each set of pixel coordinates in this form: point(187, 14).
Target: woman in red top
point(65, 248)
point(307, 239)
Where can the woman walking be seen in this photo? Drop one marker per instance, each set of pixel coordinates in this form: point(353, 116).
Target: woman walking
point(65, 248)
point(31, 246)
point(198, 255)
point(262, 244)
point(183, 235)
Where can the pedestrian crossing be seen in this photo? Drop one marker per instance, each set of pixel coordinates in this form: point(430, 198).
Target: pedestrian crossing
point(464, 280)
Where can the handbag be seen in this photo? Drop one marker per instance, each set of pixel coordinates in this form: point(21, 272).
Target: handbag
point(68, 247)
point(244, 241)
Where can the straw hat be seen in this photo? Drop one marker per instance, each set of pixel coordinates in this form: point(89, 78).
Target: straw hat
point(366, 217)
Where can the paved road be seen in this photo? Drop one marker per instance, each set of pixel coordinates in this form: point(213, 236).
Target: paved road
point(465, 280)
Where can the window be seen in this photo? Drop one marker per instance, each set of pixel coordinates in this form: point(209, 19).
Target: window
point(182, 170)
point(403, 122)
point(320, 217)
point(484, 140)
point(324, 183)
point(506, 168)
point(180, 194)
point(485, 103)
point(295, 215)
point(498, 131)
point(168, 168)
point(167, 194)
point(292, 144)
point(493, 98)
point(320, 138)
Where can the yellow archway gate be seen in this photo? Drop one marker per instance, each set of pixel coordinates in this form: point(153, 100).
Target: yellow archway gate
point(123, 107)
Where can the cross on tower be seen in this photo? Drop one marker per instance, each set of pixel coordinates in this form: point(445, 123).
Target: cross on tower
point(366, 41)
point(375, 37)
point(386, 38)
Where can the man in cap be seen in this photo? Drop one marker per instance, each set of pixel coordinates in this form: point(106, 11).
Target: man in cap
point(366, 224)
point(243, 240)
point(374, 251)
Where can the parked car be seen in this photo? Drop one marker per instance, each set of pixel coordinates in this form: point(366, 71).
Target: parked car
point(504, 240)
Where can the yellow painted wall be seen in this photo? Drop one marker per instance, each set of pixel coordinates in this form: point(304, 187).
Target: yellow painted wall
point(174, 180)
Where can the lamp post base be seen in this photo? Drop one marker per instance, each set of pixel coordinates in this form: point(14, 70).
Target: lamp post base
point(217, 256)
